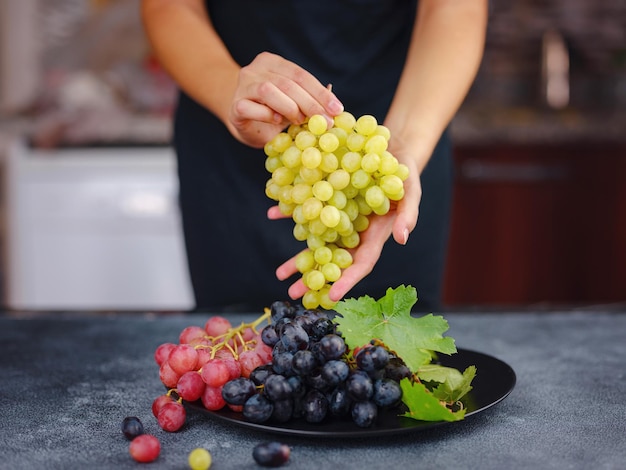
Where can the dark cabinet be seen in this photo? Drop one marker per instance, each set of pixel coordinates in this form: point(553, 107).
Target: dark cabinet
point(538, 223)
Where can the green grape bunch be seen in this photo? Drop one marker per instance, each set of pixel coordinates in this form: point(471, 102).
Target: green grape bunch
point(331, 181)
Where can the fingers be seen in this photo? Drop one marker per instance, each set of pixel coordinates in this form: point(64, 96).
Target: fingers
point(274, 213)
point(407, 210)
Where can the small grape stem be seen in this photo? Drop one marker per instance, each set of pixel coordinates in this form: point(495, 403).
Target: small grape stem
point(235, 334)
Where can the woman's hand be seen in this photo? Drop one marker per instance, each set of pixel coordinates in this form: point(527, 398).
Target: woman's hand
point(272, 93)
point(399, 222)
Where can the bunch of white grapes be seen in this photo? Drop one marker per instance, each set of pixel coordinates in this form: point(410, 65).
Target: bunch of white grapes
point(330, 181)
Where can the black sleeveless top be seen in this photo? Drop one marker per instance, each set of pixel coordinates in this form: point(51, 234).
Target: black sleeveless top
point(357, 45)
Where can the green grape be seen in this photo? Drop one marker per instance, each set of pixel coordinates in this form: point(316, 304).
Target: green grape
point(199, 459)
point(282, 142)
point(316, 226)
point(351, 161)
point(361, 222)
point(351, 241)
point(291, 157)
point(342, 258)
point(317, 124)
point(375, 144)
point(341, 135)
point(370, 162)
point(391, 185)
point(311, 157)
point(294, 129)
point(314, 279)
point(351, 208)
point(331, 271)
point(284, 194)
point(298, 216)
point(311, 300)
point(323, 255)
point(360, 179)
point(323, 190)
point(305, 261)
point(339, 179)
point(300, 232)
point(355, 142)
point(328, 142)
point(374, 197)
point(310, 175)
point(272, 163)
point(329, 162)
point(402, 172)
point(312, 207)
point(285, 208)
point(301, 192)
point(366, 124)
point(273, 191)
point(330, 235)
point(397, 197)
point(388, 164)
point(305, 139)
point(270, 150)
point(345, 224)
point(383, 208)
point(363, 206)
point(384, 131)
point(283, 176)
point(351, 191)
point(313, 242)
point(345, 121)
point(338, 199)
point(330, 216)
point(324, 299)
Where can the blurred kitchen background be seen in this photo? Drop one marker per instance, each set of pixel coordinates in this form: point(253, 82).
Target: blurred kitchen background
point(89, 218)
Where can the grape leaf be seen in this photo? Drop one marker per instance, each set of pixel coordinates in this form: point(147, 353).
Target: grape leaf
point(425, 406)
point(452, 384)
point(389, 320)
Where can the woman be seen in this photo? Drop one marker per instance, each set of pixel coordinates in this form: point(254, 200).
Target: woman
point(249, 68)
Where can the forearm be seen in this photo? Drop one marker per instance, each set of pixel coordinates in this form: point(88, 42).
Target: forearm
point(444, 56)
point(177, 29)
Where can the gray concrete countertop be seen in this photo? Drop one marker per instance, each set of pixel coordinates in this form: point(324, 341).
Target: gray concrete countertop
point(69, 379)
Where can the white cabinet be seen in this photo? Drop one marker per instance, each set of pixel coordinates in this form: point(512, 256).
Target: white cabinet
point(93, 228)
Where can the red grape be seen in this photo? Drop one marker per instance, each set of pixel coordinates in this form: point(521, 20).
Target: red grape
point(158, 403)
point(212, 398)
point(145, 448)
point(215, 373)
point(183, 358)
point(191, 333)
point(249, 361)
point(168, 376)
point(172, 416)
point(217, 325)
point(190, 386)
point(162, 352)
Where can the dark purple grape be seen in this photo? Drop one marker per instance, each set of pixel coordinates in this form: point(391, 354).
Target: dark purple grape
point(238, 391)
point(282, 364)
point(339, 402)
point(316, 380)
point(372, 358)
point(315, 406)
point(360, 386)
point(294, 337)
point(283, 410)
point(332, 346)
point(387, 392)
point(322, 327)
point(297, 386)
point(364, 413)
point(396, 369)
point(261, 373)
point(277, 388)
point(304, 362)
point(334, 372)
point(269, 336)
point(258, 409)
point(281, 309)
point(132, 427)
point(271, 454)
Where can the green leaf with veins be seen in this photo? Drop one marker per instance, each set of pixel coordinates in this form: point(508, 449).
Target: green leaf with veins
point(425, 406)
point(389, 320)
point(452, 384)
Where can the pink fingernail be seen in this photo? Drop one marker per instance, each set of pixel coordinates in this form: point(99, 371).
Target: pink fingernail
point(335, 106)
point(405, 235)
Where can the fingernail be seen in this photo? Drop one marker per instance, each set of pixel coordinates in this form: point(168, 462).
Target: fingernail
point(335, 106)
point(405, 236)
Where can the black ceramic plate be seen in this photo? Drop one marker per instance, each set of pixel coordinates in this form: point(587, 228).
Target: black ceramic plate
point(493, 382)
